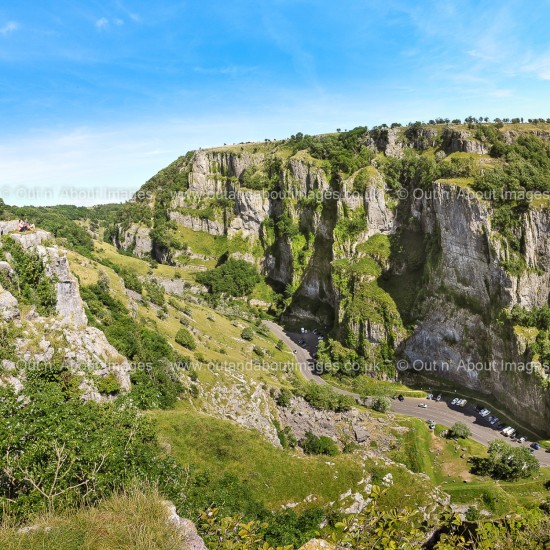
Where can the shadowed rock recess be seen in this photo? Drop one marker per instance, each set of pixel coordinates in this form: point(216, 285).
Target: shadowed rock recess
point(386, 239)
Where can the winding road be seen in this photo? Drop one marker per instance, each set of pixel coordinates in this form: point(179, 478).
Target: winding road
point(441, 412)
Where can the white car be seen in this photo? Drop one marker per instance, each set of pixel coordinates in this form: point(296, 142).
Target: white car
point(423, 405)
point(521, 440)
point(455, 401)
point(463, 402)
point(485, 412)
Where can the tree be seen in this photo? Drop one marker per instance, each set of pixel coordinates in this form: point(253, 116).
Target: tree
point(381, 404)
point(459, 430)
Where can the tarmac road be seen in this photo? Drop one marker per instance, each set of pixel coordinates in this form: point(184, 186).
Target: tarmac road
point(441, 412)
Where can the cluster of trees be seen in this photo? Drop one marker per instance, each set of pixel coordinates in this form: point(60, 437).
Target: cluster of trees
point(506, 462)
point(345, 152)
point(324, 397)
point(234, 278)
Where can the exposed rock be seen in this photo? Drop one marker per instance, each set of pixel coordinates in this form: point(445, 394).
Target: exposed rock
point(9, 306)
point(70, 307)
point(186, 528)
point(33, 239)
point(196, 223)
point(318, 544)
point(361, 434)
point(137, 239)
point(251, 209)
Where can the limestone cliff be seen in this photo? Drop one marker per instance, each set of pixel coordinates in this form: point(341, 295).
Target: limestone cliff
point(390, 263)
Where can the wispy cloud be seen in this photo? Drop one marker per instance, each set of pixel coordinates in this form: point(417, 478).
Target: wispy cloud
point(9, 27)
point(102, 23)
point(540, 66)
point(228, 70)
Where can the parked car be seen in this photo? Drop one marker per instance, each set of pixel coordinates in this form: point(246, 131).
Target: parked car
point(438, 398)
point(423, 405)
point(506, 431)
point(521, 440)
point(455, 401)
point(401, 398)
point(494, 421)
point(430, 396)
point(490, 419)
point(535, 446)
point(431, 424)
point(485, 412)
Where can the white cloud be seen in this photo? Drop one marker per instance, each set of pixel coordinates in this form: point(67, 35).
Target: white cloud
point(102, 23)
point(8, 28)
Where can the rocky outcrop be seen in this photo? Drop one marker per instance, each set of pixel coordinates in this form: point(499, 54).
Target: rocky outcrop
point(9, 306)
point(461, 141)
point(70, 307)
point(196, 223)
point(136, 239)
point(190, 539)
point(251, 209)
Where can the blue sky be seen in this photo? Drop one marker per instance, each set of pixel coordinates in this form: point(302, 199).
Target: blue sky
point(98, 96)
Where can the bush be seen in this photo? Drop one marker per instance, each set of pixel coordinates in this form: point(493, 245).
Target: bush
point(185, 338)
point(318, 445)
point(108, 385)
point(472, 514)
point(459, 430)
point(284, 398)
point(247, 334)
point(381, 404)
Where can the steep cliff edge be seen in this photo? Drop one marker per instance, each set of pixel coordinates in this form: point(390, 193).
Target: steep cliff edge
point(385, 238)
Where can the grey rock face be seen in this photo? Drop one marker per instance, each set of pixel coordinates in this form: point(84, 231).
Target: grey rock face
point(186, 529)
point(458, 336)
point(198, 224)
point(137, 239)
point(70, 307)
point(9, 306)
